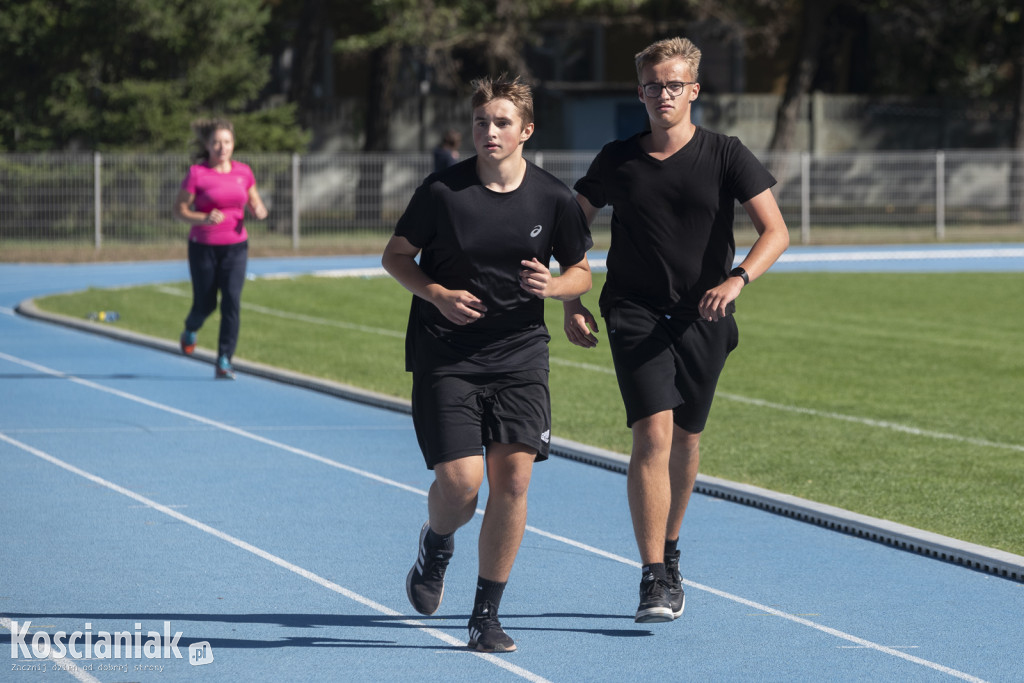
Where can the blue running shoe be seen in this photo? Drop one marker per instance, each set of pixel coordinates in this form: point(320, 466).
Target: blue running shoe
point(188, 342)
point(224, 369)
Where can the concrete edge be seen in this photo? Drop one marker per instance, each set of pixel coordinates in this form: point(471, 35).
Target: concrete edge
point(944, 548)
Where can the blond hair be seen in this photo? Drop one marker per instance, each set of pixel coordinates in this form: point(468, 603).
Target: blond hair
point(664, 50)
point(501, 88)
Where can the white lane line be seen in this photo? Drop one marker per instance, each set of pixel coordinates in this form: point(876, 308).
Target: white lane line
point(327, 461)
point(65, 664)
point(270, 557)
point(858, 642)
point(849, 256)
point(190, 428)
point(902, 255)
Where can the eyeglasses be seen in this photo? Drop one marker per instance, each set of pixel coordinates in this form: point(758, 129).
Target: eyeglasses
point(675, 88)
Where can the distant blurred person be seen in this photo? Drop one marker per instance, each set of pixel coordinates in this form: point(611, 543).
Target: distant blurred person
point(447, 153)
point(213, 198)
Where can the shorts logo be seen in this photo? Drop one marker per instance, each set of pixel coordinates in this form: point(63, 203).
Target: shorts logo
point(546, 436)
point(536, 230)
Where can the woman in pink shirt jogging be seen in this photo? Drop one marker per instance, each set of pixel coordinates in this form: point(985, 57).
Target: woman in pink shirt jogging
point(213, 198)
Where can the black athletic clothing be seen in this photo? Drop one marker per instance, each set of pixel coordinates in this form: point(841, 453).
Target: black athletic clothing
point(457, 415)
point(668, 363)
point(473, 238)
point(672, 221)
point(217, 268)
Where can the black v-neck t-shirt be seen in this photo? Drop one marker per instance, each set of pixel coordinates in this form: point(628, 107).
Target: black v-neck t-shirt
point(672, 221)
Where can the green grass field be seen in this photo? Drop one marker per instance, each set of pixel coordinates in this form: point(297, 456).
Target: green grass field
point(893, 395)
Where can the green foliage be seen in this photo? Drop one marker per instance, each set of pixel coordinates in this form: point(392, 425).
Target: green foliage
point(131, 75)
point(891, 395)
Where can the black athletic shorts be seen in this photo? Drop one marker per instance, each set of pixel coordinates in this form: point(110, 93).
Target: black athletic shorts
point(665, 363)
point(456, 416)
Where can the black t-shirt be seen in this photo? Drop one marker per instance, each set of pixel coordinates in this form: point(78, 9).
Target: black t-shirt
point(473, 238)
point(672, 220)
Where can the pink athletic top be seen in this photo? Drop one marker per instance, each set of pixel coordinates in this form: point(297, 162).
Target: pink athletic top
point(228, 192)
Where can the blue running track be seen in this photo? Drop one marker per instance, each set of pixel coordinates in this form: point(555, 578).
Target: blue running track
point(263, 531)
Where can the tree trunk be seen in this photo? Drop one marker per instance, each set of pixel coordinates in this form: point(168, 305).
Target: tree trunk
point(379, 110)
point(306, 47)
point(801, 76)
point(1017, 167)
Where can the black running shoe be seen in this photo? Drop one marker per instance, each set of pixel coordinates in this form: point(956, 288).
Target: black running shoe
point(676, 596)
point(485, 632)
point(425, 583)
point(655, 604)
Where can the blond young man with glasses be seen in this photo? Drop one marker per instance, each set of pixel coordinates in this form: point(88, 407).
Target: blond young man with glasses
point(669, 295)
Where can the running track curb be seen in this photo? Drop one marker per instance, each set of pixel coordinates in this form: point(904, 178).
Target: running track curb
point(977, 557)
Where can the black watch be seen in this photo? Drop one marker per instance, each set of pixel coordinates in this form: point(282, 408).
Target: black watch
point(739, 272)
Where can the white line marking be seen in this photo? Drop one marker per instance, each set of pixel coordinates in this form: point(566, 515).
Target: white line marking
point(872, 423)
point(190, 428)
point(868, 422)
point(313, 320)
point(366, 601)
point(66, 664)
point(270, 557)
point(904, 255)
point(600, 264)
point(860, 642)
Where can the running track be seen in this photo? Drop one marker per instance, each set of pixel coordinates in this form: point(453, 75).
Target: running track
point(276, 525)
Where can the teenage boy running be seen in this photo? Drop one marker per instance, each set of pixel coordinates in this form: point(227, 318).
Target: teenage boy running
point(668, 298)
point(485, 230)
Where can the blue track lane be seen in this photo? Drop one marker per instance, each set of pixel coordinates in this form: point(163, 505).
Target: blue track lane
point(276, 525)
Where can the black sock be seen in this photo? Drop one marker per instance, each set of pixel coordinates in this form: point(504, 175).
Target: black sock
point(488, 591)
point(439, 542)
point(670, 546)
point(656, 568)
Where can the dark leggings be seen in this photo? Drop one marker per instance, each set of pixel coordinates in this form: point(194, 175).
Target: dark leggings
point(217, 267)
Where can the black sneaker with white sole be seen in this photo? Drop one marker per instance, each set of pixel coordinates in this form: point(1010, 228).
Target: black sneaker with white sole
point(485, 632)
point(676, 595)
point(655, 604)
point(425, 583)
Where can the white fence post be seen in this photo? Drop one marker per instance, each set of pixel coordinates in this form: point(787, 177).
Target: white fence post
point(940, 195)
point(295, 202)
point(805, 198)
point(97, 195)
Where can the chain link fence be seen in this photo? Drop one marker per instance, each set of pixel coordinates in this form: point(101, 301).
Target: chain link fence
point(351, 201)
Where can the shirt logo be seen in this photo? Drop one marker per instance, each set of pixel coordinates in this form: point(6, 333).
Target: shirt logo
point(536, 230)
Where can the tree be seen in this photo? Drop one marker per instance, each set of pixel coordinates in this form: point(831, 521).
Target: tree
point(73, 83)
point(801, 74)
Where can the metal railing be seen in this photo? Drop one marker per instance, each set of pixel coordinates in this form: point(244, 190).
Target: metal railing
point(329, 199)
